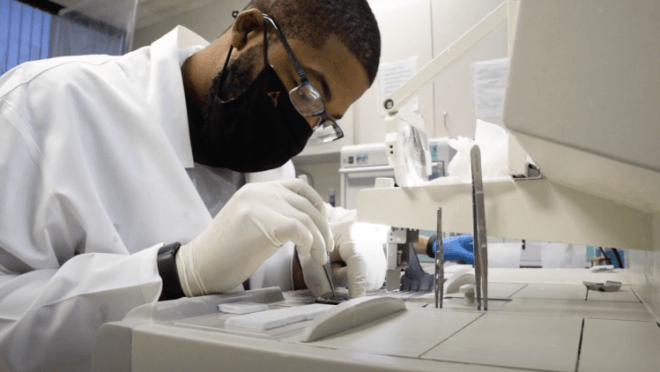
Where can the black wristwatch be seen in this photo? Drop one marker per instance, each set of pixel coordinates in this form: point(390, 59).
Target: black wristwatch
point(167, 270)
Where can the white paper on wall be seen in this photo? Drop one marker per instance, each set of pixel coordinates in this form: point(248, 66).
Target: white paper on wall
point(490, 78)
point(392, 76)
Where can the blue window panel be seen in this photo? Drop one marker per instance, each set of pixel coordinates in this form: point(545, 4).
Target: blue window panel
point(4, 24)
point(45, 36)
point(35, 36)
point(24, 34)
point(14, 31)
point(4, 33)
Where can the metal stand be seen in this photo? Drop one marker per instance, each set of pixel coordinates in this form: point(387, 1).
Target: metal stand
point(479, 225)
point(401, 256)
point(480, 240)
point(397, 256)
point(439, 288)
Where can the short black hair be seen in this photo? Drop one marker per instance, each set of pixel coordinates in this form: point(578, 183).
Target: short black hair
point(313, 21)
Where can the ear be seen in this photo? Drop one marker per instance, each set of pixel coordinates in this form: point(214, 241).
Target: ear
point(248, 24)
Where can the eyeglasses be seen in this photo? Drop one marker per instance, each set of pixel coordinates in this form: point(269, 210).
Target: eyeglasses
point(307, 99)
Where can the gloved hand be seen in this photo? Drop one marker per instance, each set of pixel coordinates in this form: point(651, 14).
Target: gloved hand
point(456, 248)
point(252, 226)
point(358, 261)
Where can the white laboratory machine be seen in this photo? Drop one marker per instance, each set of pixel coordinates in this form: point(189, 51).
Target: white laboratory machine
point(582, 101)
point(362, 164)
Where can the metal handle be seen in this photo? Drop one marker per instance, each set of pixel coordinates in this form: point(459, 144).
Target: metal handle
point(439, 264)
point(479, 225)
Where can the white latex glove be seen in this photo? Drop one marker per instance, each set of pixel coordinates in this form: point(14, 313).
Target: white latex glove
point(252, 226)
point(360, 247)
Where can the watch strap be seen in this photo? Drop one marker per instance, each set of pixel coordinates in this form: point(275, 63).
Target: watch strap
point(166, 260)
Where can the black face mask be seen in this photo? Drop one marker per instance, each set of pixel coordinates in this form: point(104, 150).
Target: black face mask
point(258, 130)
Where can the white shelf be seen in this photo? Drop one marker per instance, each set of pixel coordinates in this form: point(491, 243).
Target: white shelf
point(534, 210)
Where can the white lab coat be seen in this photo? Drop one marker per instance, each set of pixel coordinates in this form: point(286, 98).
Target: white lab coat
point(93, 159)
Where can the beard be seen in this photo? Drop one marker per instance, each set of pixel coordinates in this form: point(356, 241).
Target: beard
point(238, 77)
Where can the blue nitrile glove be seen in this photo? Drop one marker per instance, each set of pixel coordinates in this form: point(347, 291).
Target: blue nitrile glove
point(456, 248)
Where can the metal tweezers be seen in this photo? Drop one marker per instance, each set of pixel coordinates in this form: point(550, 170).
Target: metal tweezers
point(327, 268)
point(328, 274)
point(479, 226)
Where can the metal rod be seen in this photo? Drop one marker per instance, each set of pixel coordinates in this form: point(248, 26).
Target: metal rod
point(477, 255)
point(475, 233)
point(328, 274)
point(439, 264)
point(484, 269)
point(479, 223)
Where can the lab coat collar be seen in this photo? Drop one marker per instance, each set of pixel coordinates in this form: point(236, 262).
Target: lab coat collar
point(166, 87)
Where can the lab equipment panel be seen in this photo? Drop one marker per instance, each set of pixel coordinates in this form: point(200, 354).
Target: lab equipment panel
point(537, 324)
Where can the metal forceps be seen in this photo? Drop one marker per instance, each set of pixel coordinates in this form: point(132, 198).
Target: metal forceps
point(479, 226)
point(328, 274)
point(326, 267)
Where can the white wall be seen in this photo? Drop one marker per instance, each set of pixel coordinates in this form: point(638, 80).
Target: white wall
point(453, 87)
point(406, 32)
point(323, 171)
point(209, 21)
point(423, 29)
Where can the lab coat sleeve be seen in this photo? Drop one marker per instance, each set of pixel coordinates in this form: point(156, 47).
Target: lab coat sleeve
point(49, 317)
point(53, 296)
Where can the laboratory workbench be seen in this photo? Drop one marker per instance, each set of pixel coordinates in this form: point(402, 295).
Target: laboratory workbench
point(538, 320)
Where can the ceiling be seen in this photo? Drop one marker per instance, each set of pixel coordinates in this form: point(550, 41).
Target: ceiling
point(149, 11)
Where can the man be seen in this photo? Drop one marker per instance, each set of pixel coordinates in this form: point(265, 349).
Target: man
point(108, 163)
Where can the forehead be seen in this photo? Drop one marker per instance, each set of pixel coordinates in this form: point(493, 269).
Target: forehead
point(344, 74)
